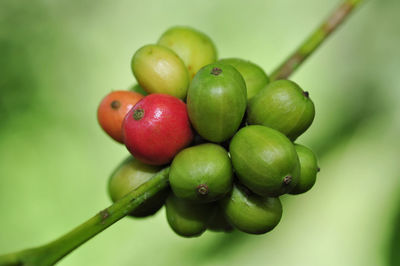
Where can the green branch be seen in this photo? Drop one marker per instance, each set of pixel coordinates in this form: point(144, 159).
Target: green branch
point(315, 40)
point(50, 253)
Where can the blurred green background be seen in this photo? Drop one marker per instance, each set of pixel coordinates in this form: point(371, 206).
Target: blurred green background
point(59, 58)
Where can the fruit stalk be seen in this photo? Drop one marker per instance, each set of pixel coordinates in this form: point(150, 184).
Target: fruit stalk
point(50, 253)
point(311, 44)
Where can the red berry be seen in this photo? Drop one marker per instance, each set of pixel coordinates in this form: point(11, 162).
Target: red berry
point(113, 109)
point(157, 128)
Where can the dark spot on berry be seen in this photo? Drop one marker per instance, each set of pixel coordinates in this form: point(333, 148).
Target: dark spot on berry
point(216, 71)
point(115, 105)
point(306, 94)
point(138, 114)
point(287, 180)
point(202, 190)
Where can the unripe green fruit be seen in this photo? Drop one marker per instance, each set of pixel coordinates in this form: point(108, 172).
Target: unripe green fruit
point(253, 75)
point(265, 160)
point(284, 106)
point(308, 169)
point(219, 223)
point(251, 213)
point(201, 173)
point(187, 218)
point(217, 101)
point(130, 175)
point(194, 47)
point(159, 70)
point(138, 89)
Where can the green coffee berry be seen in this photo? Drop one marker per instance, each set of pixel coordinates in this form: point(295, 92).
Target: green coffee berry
point(201, 173)
point(217, 101)
point(159, 70)
point(253, 75)
point(194, 47)
point(265, 160)
point(131, 174)
point(186, 218)
point(308, 169)
point(284, 106)
point(251, 213)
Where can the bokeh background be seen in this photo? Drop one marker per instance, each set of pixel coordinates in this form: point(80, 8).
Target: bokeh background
point(59, 58)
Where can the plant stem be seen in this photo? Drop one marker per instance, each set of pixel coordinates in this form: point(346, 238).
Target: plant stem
point(315, 40)
point(50, 253)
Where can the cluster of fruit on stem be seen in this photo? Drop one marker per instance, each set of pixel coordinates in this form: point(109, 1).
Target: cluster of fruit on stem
point(224, 128)
point(145, 181)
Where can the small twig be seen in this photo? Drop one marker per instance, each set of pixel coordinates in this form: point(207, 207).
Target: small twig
point(315, 40)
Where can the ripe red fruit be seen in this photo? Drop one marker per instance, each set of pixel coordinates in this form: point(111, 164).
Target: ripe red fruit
point(113, 109)
point(157, 128)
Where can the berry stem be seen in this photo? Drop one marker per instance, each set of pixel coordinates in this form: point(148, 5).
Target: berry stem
point(52, 252)
point(311, 44)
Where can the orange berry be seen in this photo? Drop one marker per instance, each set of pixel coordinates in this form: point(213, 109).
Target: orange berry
point(112, 111)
